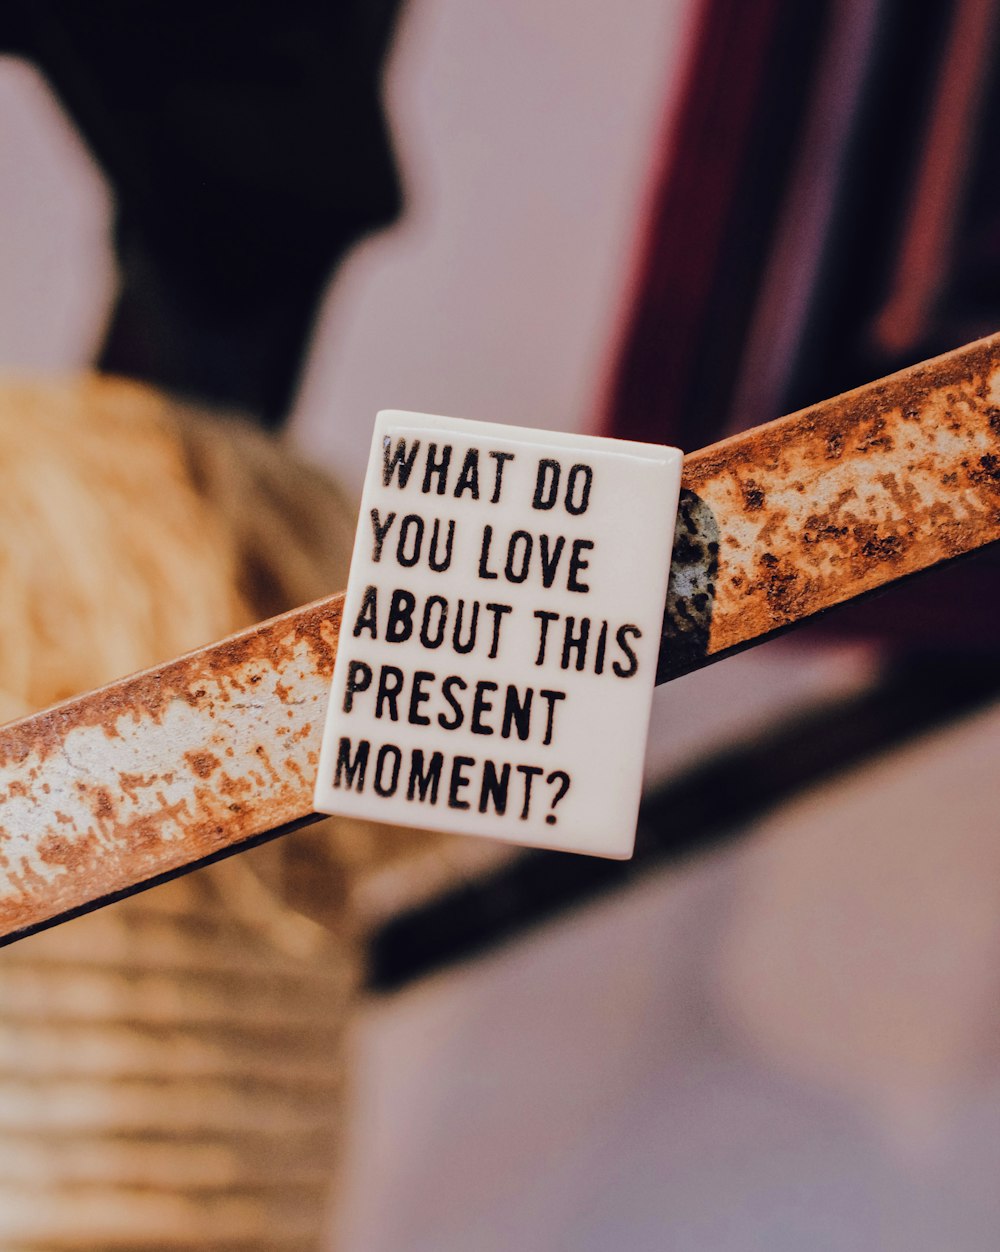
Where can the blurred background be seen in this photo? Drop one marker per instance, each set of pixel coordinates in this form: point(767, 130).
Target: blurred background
point(667, 220)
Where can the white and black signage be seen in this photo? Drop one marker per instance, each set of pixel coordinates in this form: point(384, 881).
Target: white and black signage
point(501, 628)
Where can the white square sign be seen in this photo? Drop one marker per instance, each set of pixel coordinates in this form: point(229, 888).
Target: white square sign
point(500, 636)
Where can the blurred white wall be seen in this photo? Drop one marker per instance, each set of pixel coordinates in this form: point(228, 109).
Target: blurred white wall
point(57, 272)
point(788, 1044)
point(525, 131)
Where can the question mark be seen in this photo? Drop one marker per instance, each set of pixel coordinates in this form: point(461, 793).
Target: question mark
point(563, 788)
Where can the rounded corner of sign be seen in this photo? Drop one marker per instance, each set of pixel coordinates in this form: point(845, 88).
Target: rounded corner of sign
point(321, 803)
point(403, 417)
point(671, 458)
point(613, 848)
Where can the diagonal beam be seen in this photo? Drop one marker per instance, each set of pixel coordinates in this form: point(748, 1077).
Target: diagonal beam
point(217, 750)
point(813, 510)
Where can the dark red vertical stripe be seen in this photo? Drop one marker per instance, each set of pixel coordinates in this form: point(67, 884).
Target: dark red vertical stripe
point(702, 161)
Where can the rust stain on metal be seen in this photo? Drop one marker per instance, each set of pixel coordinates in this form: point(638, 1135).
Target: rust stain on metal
point(167, 768)
point(202, 763)
point(163, 769)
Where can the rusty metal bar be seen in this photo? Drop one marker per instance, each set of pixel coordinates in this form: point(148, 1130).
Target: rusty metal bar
point(812, 510)
point(217, 750)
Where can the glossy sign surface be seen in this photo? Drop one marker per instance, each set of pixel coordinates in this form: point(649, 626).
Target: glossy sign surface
point(500, 634)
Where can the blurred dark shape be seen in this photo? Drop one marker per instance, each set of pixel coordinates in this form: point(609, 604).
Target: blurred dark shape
point(247, 150)
point(827, 211)
point(707, 805)
point(694, 565)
